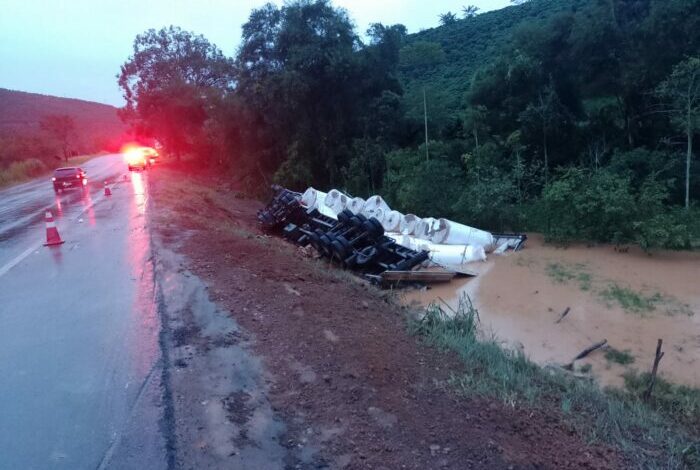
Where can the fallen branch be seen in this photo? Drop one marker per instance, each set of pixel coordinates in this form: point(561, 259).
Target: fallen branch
point(585, 352)
point(654, 370)
point(561, 317)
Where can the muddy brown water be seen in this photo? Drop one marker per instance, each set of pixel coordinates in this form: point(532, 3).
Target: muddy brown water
point(629, 298)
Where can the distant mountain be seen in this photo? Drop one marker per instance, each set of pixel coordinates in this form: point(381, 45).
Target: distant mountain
point(21, 112)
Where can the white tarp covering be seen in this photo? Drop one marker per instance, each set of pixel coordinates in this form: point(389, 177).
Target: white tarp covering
point(315, 199)
point(444, 255)
point(408, 224)
point(451, 233)
point(373, 204)
point(312, 198)
point(455, 255)
point(449, 243)
point(379, 214)
point(392, 221)
point(336, 201)
point(356, 205)
point(424, 228)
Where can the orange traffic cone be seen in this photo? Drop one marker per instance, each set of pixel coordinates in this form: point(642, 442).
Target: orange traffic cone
point(52, 236)
point(108, 192)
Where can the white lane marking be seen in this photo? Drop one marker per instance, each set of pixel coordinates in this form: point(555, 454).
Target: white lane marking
point(18, 259)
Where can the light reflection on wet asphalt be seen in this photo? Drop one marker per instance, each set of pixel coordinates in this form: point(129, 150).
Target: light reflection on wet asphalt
point(79, 354)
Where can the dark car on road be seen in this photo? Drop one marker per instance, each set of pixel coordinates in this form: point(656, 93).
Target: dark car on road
point(69, 177)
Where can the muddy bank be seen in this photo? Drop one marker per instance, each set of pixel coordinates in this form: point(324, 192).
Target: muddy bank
point(340, 373)
point(629, 298)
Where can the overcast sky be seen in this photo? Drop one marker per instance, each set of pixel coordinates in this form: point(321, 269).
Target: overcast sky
point(74, 48)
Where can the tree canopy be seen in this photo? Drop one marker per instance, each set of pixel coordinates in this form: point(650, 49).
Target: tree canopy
point(531, 111)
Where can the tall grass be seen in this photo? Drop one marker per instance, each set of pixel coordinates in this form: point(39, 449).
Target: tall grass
point(645, 434)
point(22, 170)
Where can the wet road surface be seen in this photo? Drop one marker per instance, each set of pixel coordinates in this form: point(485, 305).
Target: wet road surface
point(80, 365)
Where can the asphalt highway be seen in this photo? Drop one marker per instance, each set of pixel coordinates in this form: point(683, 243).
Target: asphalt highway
point(80, 365)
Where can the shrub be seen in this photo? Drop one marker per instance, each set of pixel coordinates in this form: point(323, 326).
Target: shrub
point(425, 187)
point(586, 205)
point(604, 206)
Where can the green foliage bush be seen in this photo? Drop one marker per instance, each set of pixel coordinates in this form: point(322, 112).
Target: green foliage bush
point(418, 185)
point(603, 206)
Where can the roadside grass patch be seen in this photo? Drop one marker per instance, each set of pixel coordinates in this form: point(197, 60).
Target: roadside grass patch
point(647, 435)
point(619, 357)
point(612, 293)
point(679, 402)
point(23, 170)
point(565, 273)
point(631, 300)
point(525, 261)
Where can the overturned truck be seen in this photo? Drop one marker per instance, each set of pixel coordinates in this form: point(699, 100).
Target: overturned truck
point(368, 236)
point(354, 240)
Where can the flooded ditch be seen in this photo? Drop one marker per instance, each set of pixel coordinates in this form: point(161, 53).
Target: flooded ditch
point(629, 298)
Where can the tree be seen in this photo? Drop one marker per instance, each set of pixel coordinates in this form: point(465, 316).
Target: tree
point(544, 114)
point(474, 121)
point(169, 83)
point(448, 18)
point(681, 95)
point(62, 128)
point(470, 11)
point(420, 56)
point(310, 85)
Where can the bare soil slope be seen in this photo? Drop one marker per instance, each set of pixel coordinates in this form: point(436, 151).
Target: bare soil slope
point(354, 389)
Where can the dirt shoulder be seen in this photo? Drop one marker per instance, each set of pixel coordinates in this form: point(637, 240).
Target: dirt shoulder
point(352, 388)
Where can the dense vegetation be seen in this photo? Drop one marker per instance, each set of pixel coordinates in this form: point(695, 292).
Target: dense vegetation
point(573, 117)
point(37, 132)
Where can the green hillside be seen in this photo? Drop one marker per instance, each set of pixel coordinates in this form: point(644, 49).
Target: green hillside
point(465, 46)
point(21, 113)
point(28, 148)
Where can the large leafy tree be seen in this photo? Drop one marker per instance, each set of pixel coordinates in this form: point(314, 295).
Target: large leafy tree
point(171, 80)
point(681, 95)
point(61, 128)
point(308, 83)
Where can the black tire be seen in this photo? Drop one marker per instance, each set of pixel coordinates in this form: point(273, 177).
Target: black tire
point(325, 241)
point(379, 228)
point(344, 216)
point(367, 256)
point(341, 247)
point(351, 262)
point(315, 242)
point(357, 220)
point(373, 228)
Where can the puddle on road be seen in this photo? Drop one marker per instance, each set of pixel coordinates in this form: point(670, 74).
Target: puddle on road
point(221, 407)
point(630, 299)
